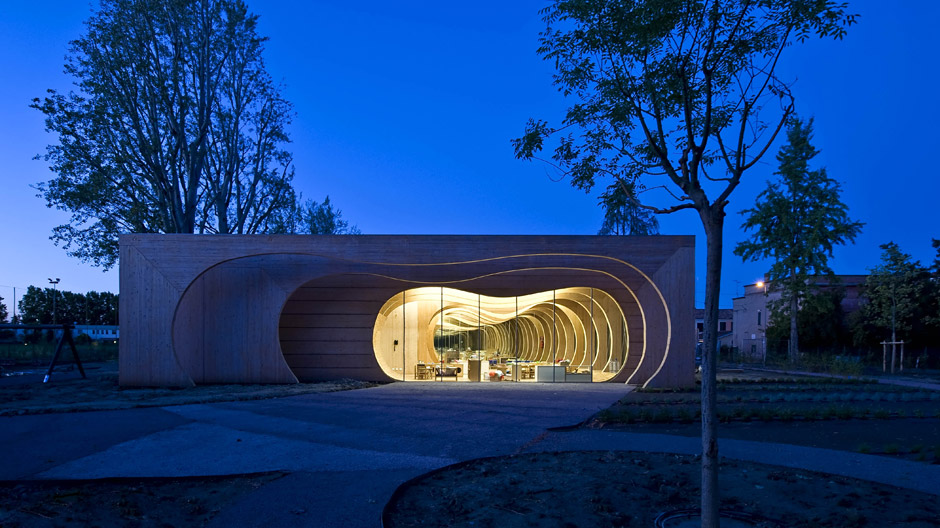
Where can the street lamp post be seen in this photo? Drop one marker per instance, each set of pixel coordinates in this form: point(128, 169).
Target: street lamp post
point(53, 283)
point(763, 286)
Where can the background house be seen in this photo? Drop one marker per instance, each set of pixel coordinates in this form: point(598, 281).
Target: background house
point(751, 311)
point(725, 326)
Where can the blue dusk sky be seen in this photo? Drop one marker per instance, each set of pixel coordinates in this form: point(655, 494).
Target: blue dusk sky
point(405, 110)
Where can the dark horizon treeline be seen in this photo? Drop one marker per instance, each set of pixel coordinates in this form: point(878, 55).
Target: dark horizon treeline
point(91, 308)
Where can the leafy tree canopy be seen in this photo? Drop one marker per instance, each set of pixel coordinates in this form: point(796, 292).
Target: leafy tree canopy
point(671, 89)
point(622, 214)
point(797, 221)
point(3, 311)
point(99, 308)
point(896, 291)
point(821, 321)
point(673, 93)
point(314, 218)
point(175, 126)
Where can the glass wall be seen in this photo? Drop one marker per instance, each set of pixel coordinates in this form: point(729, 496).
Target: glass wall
point(449, 335)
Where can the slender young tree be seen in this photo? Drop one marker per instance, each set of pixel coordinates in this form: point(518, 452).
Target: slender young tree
point(175, 126)
point(896, 291)
point(622, 214)
point(934, 317)
point(797, 221)
point(685, 96)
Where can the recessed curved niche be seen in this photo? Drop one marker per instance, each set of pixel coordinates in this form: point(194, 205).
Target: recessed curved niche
point(445, 334)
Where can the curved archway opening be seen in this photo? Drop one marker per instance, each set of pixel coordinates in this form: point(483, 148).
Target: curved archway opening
point(575, 334)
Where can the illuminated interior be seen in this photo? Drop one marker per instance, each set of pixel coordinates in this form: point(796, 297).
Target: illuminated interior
point(448, 335)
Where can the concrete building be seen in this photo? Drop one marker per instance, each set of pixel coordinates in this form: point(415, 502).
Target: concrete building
point(201, 309)
point(725, 326)
point(98, 332)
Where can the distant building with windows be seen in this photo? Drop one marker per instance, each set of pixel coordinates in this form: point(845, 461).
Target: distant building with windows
point(725, 326)
point(95, 332)
point(750, 311)
point(98, 332)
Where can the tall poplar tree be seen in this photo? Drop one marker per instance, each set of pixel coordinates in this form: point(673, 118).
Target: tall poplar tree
point(685, 96)
point(797, 221)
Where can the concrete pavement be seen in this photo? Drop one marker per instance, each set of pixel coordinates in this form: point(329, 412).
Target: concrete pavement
point(346, 451)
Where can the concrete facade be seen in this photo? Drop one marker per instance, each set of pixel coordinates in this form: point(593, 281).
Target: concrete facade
point(281, 309)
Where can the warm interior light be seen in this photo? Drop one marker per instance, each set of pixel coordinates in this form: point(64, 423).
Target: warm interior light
point(582, 330)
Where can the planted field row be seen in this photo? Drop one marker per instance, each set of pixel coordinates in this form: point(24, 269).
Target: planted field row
point(912, 396)
point(688, 413)
point(815, 388)
point(802, 382)
point(918, 452)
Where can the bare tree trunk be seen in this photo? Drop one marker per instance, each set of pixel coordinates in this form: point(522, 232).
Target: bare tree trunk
point(713, 221)
point(793, 351)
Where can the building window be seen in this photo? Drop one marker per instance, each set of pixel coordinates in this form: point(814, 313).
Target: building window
point(758, 318)
point(721, 327)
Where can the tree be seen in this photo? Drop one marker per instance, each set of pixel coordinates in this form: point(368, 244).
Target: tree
point(622, 215)
point(934, 317)
point(101, 308)
point(821, 320)
point(797, 219)
point(323, 219)
point(175, 127)
point(96, 308)
point(313, 218)
point(897, 293)
point(3, 311)
point(674, 93)
point(35, 306)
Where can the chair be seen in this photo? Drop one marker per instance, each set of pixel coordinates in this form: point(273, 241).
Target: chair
point(446, 372)
point(423, 372)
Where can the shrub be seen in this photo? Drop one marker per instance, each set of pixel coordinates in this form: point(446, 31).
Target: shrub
point(684, 416)
point(845, 413)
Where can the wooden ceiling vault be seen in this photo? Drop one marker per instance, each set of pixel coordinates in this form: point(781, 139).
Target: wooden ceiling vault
point(198, 309)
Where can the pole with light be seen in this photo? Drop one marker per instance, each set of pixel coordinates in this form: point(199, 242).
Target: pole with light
point(763, 286)
point(53, 283)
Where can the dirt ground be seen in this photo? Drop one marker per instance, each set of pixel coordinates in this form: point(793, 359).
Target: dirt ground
point(113, 503)
point(22, 392)
point(623, 489)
